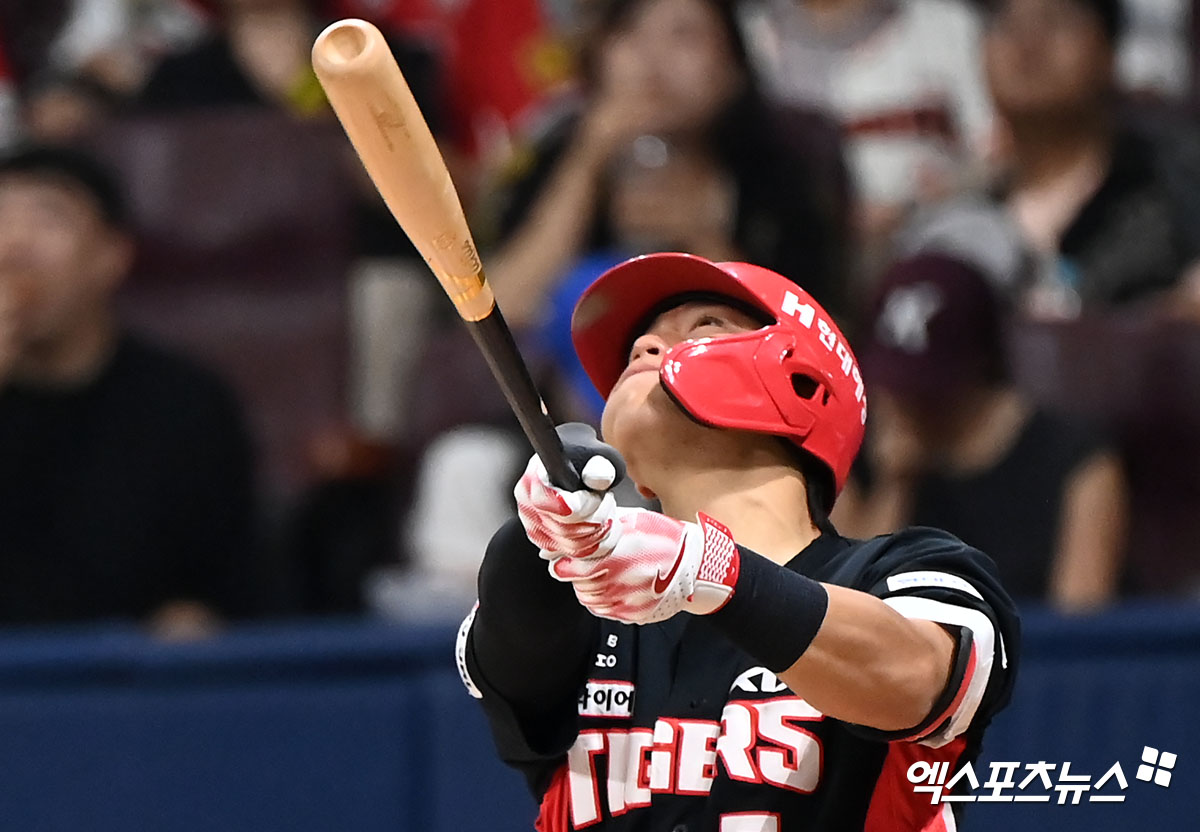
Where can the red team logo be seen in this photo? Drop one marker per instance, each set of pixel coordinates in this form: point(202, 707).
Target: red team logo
point(767, 741)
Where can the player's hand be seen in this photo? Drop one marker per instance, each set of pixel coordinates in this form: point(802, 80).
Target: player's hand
point(565, 523)
point(648, 567)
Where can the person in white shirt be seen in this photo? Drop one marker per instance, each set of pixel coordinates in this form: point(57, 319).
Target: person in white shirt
point(904, 79)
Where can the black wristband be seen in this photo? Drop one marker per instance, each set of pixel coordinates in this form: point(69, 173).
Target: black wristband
point(774, 613)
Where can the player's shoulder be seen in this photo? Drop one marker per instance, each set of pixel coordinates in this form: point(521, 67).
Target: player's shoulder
point(922, 556)
point(921, 538)
point(917, 542)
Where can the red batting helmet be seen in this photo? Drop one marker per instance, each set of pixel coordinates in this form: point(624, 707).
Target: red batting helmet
point(795, 377)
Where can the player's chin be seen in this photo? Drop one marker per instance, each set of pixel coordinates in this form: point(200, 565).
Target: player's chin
point(637, 411)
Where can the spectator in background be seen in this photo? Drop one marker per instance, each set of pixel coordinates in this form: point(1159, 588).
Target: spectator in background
point(257, 58)
point(258, 54)
point(27, 31)
point(113, 43)
point(903, 79)
point(1155, 56)
point(65, 109)
point(974, 229)
point(10, 106)
point(1105, 209)
point(670, 146)
point(669, 143)
point(125, 470)
point(499, 60)
point(78, 61)
point(952, 444)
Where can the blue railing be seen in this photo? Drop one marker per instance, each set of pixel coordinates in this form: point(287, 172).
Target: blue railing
point(363, 726)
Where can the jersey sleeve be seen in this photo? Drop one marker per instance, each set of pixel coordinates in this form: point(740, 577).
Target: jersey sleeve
point(931, 575)
point(522, 651)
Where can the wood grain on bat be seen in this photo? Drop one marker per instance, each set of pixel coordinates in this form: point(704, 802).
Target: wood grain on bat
point(372, 100)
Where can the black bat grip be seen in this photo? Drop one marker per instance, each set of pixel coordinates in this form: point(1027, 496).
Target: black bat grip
point(495, 341)
point(564, 473)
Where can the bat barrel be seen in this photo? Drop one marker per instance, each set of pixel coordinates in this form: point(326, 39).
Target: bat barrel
point(375, 106)
point(372, 100)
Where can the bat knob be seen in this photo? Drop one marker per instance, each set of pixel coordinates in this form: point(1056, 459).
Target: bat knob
point(581, 445)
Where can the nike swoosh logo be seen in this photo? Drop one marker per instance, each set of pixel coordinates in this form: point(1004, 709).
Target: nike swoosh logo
point(660, 582)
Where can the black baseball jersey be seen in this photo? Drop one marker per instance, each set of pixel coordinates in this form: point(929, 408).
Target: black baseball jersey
point(675, 729)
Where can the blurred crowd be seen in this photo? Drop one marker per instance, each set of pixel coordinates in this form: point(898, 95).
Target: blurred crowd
point(229, 388)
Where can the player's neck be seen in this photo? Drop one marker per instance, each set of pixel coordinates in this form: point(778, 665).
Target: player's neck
point(764, 506)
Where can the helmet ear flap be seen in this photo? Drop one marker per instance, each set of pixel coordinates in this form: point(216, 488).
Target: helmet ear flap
point(798, 388)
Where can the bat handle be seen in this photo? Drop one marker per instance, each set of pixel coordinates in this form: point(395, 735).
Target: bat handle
point(563, 472)
point(496, 342)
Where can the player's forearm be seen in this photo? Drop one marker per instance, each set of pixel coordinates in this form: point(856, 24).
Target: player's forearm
point(871, 666)
point(847, 653)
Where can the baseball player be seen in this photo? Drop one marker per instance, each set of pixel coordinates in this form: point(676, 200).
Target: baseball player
point(729, 663)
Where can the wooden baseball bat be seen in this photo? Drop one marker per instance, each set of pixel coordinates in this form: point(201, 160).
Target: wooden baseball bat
point(372, 100)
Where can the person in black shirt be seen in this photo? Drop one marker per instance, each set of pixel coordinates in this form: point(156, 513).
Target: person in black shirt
point(259, 55)
point(729, 663)
point(1107, 206)
point(125, 470)
point(954, 444)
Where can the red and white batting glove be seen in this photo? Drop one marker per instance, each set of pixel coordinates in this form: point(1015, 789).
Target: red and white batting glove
point(649, 567)
point(566, 523)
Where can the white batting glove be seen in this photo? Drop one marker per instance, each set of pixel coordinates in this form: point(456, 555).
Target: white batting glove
point(648, 567)
point(566, 523)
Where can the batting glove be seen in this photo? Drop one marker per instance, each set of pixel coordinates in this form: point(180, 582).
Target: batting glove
point(648, 567)
point(566, 523)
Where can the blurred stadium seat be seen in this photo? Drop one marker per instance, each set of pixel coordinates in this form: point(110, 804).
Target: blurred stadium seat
point(244, 246)
point(467, 396)
point(230, 195)
point(1140, 380)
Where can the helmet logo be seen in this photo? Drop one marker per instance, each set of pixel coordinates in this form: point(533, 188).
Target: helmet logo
point(806, 314)
point(803, 312)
